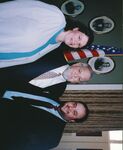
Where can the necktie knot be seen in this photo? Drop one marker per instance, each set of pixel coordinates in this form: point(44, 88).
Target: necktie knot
point(56, 108)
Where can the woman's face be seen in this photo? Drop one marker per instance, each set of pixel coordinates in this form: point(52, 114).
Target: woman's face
point(76, 39)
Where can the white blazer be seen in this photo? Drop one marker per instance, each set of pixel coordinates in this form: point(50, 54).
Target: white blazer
point(28, 30)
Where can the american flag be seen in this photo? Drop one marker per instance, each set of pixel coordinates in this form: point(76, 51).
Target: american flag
point(93, 51)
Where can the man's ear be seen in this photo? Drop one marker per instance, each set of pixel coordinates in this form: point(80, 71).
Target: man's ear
point(76, 29)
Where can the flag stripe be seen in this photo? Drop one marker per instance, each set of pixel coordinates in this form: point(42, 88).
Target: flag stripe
point(95, 53)
point(68, 56)
point(81, 54)
point(101, 53)
point(88, 53)
point(75, 55)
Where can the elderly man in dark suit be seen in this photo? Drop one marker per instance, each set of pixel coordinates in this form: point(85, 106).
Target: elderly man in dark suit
point(30, 77)
point(18, 77)
point(32, 122)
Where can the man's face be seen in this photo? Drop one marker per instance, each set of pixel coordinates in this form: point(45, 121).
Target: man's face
point(76, 39)
point(77, 73)
point(72, 111)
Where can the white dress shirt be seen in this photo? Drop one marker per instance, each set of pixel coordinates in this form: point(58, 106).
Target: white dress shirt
point(43, 83)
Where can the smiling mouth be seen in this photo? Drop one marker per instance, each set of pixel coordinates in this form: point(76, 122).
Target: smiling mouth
point(65, 109)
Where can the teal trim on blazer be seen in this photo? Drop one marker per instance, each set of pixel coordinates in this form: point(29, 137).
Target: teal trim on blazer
point(14, 55)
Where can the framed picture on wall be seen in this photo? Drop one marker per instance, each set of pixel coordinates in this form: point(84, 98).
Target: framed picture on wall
point(101, 65)
point(72, 7)
point(101, 24)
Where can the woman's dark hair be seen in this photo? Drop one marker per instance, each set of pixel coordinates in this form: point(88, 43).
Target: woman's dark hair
point(70, 24)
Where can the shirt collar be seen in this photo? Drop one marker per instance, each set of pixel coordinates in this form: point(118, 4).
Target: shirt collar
point(60, 69)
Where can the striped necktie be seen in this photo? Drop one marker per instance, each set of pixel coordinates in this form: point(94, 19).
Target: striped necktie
point(48, 75)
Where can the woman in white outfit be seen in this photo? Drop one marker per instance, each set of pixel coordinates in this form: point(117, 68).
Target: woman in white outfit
point(30, 29)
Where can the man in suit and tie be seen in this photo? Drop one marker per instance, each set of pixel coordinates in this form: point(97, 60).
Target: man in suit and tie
point(30, 77)
point(33, 122)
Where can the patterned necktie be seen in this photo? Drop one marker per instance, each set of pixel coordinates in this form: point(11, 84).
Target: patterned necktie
point(48, 75)
point(29, 101)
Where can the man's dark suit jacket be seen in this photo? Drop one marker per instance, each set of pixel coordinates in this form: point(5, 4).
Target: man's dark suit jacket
point(23, 127)
point(17, 77)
